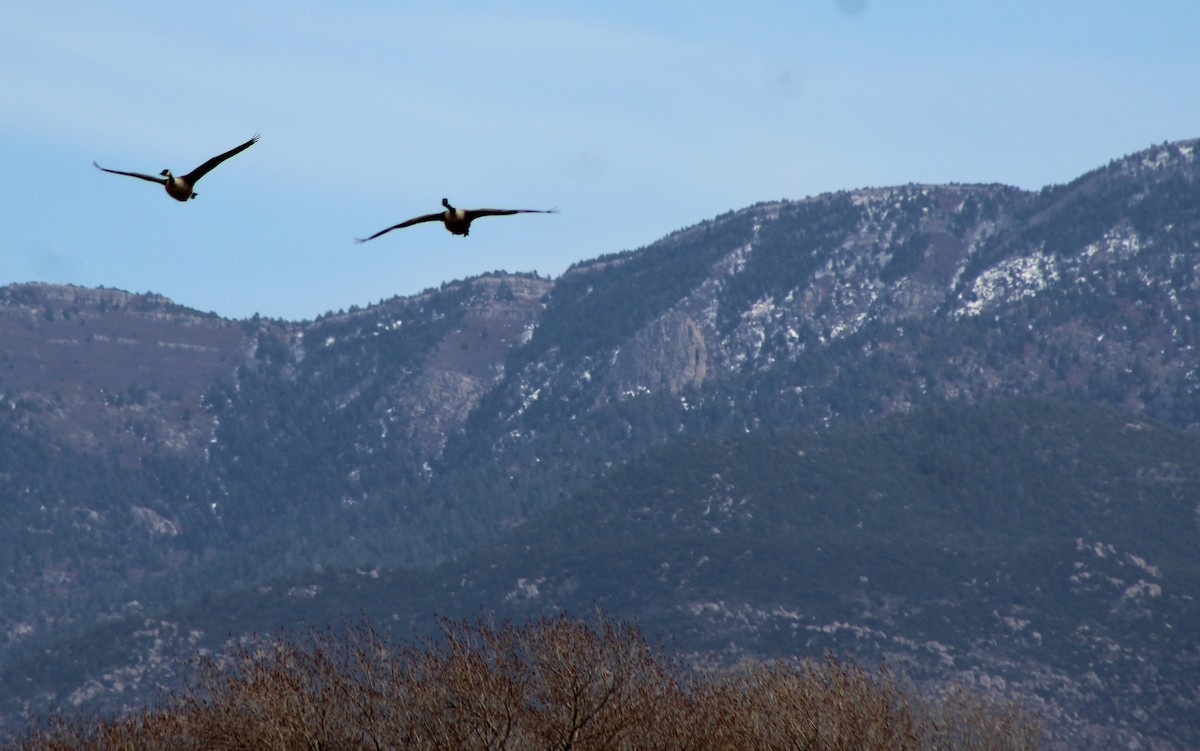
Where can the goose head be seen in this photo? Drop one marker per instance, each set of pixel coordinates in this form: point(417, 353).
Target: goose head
point(446, 203)
point(167, 174)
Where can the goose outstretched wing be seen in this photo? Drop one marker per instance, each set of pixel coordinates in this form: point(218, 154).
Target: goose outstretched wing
point(207, 167)
point(473, 214)
point(151, 178)
point(407, 223)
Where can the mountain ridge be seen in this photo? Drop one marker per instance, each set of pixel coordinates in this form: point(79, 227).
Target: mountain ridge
point(153, 453)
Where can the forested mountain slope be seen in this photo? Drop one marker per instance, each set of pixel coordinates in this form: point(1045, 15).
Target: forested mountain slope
point(152, 455)
point(1042, 550)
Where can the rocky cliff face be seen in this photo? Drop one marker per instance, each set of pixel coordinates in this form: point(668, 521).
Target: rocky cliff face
point(420, 392)
point(106, 370)
point(111, 371)
point(1087, 290)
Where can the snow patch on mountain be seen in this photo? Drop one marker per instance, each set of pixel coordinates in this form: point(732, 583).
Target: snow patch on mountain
point(1011, 280)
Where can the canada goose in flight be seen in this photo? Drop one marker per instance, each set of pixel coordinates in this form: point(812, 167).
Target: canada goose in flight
point(458, 221)
point(180, 187)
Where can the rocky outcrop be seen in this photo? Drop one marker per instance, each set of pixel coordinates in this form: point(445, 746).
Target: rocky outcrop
point(670, 353)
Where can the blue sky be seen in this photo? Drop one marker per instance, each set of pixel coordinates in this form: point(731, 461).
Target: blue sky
point(634, 119)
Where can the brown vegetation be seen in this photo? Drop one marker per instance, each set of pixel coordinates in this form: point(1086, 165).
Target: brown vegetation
point(551, 683)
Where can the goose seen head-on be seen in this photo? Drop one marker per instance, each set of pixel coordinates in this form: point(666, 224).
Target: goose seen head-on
point(456, 221)
point(183, 187)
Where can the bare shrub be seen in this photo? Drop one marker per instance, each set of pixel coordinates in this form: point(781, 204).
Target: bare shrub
point(550, 683)
point(970, 721)
point(830, 705)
